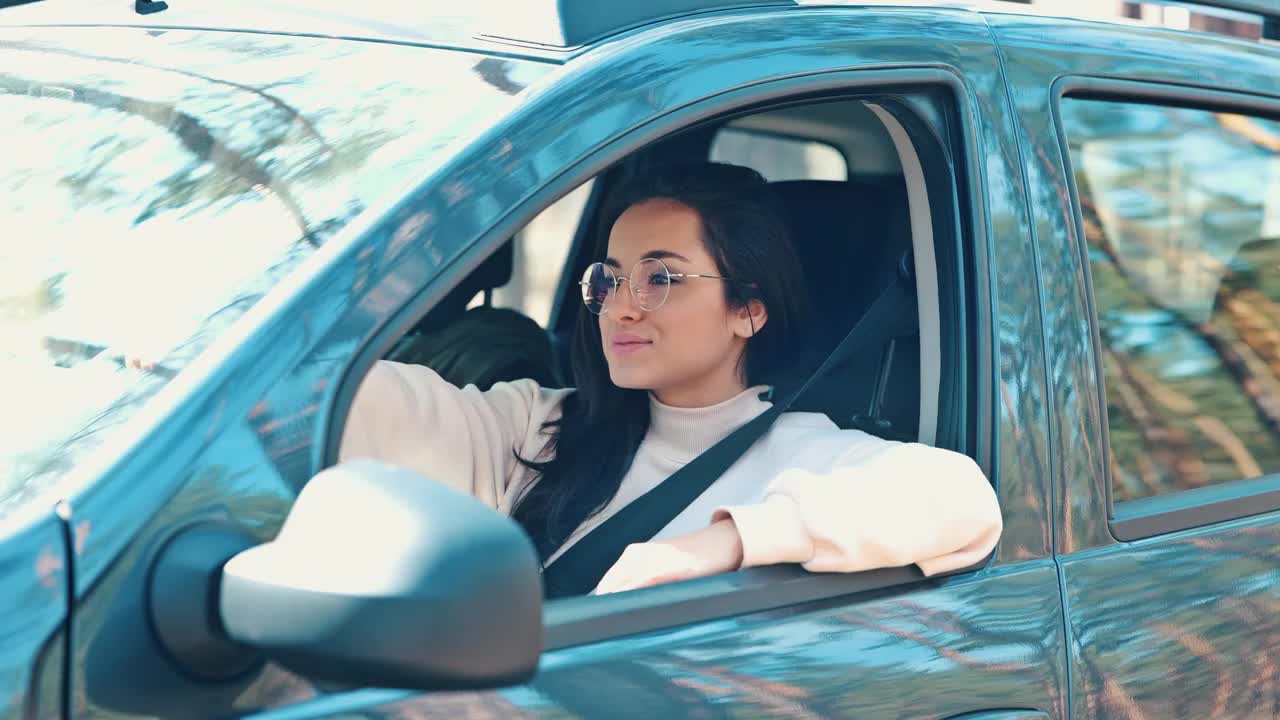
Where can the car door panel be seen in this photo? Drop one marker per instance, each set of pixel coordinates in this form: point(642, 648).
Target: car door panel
point(928, 648)
point(989, 639)
point(1092, 50)
point(1179, 624)
point(34, 582)
point(1184, 626)
point(675, 671)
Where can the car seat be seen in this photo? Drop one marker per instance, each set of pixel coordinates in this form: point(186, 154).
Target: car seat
point(482, 345)
point(853, 239)
point(494, 272)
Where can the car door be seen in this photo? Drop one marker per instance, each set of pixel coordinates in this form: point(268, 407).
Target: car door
point(1154, 163)
point(259, 418)
point(775, 640)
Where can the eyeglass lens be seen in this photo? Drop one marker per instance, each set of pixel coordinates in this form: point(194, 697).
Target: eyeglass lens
point(649, 284)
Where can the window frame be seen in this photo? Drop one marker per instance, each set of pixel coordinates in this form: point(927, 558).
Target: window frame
point(575, 621)
point(1183, 510)
point(728, 127)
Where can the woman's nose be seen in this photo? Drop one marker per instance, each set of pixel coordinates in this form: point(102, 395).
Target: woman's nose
point(624, 303)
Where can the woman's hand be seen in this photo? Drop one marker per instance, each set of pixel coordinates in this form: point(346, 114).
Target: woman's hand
point(714, 549)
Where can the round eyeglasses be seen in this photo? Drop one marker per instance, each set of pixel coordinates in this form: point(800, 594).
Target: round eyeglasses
point(649, 282)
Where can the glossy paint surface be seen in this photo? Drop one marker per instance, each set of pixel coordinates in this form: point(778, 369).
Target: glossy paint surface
point(254, 429)
point(216, 451)
point(923, 653)
point(839, 657)
point(1094, 50)
point(33, 579)
point(1179, 625)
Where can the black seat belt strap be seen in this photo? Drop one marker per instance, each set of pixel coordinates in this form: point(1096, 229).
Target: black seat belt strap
point(580, 568)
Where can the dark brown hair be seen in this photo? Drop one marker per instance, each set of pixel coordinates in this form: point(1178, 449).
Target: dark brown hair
point(601, 425)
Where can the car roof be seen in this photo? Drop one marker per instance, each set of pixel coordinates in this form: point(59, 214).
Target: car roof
point(550, 26)
point(536, 29)
point(411, 23)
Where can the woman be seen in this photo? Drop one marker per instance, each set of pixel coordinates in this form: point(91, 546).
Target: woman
point(664, 368)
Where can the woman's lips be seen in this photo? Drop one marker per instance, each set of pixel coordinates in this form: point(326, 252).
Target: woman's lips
point(624, 344)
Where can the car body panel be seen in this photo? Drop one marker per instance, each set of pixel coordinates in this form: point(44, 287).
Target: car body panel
point(34, 578)
point(241, 447)
point(393, 23)
point(921, 654)
point(203, 447)
point(728, 54)
point(1094, 50)
point(237, 434)
point(1176, 625)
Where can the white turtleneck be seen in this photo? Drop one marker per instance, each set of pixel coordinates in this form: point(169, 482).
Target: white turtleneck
point(806, 492)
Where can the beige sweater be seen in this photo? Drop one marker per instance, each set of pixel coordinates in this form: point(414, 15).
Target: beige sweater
point(807, 492)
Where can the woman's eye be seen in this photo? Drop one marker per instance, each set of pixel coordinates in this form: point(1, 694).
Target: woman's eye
point(661, 279)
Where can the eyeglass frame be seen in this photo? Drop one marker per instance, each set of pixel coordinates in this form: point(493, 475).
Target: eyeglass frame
point(617, 281)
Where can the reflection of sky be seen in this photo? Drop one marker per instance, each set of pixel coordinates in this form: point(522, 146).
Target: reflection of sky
point(1178, 194)
point(1133, 203)
point(1155, 332)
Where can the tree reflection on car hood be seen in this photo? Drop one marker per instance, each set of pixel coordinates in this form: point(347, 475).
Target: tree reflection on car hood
point(158, 183)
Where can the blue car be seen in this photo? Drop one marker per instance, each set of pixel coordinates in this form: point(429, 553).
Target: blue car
point(216, 217)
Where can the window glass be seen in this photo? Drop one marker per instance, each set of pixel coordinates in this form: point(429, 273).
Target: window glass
point(1182, 218)
point(541, 252)
point(778, 157)
point(156, 184)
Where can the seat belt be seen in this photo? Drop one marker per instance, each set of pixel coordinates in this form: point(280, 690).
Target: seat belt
point(580, 568)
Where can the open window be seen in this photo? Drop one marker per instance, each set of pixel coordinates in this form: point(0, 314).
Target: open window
point(888, 217)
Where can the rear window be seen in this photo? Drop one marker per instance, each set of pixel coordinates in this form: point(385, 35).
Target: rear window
point(779, 157)
point(1181, 210)
point(156, 184)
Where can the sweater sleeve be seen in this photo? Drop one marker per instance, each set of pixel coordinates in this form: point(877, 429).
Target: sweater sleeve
point(407, 415)
point(898, 505)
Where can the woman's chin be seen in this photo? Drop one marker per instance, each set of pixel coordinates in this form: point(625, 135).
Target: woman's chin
point(630, 378)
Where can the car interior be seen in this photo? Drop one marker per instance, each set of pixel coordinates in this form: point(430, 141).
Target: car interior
point(853, 186)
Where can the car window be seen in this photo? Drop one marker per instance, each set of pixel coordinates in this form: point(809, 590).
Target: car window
point(156, 184)
point(779, 157)
point(1181, 213)
point(541, 252)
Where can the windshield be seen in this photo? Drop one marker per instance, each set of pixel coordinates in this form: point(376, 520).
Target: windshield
point(156, 184)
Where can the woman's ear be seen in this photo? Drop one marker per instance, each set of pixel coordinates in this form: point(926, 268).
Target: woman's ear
point(750, 318)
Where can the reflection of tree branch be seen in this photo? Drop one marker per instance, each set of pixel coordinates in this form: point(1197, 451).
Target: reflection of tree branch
point(494, 72)
point(1169, 444)
point(943, 650)
point(197, 138)
point(941, 622)
point(1245, 127)
point(775, 698)
point(1206, 653)
point(1231, 444)
point(1118, 702)
point(1212, 428)
point(1262, 680)
point(283, 106)
point(1258, 389)
point(1252, 315)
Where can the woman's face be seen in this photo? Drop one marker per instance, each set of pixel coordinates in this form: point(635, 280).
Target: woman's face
point(686, 351)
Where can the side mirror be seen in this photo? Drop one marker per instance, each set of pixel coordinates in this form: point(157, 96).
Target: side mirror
point(378, 577)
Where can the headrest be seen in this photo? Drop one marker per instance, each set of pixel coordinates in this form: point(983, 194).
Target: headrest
point(494, 272)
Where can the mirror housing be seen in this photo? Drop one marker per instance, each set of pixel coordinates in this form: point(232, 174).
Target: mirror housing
point(382, 578)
